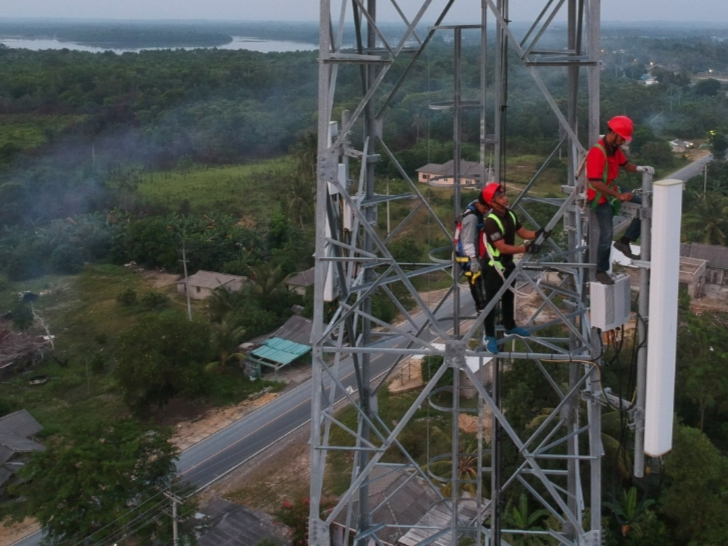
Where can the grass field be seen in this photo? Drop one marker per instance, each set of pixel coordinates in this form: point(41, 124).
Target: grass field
point(26, 131)
point(85, 318)
point(242, 189)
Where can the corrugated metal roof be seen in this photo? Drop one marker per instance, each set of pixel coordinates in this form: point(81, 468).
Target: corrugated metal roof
point(396, 497)
point(212, 279)
point(467, 169)
point(18, 444)
point(21, 423)
point(303, 278)
point(235, 525)
point(717, 256)
point(280, 351)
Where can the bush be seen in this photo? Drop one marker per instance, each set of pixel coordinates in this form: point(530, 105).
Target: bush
point(97, 364)
point(429, 366)
point(128, 297)
point(67, 259)
point(295, 514)
point(22, 316)
point(153, 300)
point(27, 261)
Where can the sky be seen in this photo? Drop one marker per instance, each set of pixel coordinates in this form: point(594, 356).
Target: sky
point(715, 11)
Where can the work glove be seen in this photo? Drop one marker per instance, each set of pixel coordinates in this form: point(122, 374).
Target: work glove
point(646, 169)
point(541, 231)
point(474, 266)
point(532, 247)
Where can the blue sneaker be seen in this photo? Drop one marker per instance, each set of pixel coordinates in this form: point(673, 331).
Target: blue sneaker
point(491, 344)
point(518, 331)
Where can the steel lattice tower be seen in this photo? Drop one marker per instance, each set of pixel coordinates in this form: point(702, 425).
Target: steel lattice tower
point(559, 462)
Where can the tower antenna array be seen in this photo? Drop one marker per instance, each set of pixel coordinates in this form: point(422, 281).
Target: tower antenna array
point(557, 464)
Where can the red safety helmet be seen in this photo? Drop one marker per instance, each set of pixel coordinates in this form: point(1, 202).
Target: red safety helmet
point(486, 196)
point(621, 125)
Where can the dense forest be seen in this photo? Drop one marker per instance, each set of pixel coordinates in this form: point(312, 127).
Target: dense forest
point(108, 160)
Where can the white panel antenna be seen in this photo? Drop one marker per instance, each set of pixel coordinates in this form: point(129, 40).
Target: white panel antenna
point(662, 333)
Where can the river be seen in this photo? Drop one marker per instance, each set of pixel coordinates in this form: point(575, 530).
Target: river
point(239, 42)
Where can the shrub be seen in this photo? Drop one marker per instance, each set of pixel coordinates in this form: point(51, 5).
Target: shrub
point(153, 300)
point(294, 514)
point(97, 364)
point(67, 259)
point(128, 297)
point(430, 365)
point(22, 316)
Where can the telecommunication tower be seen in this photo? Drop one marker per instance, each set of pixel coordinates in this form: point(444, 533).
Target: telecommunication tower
point(558, 462)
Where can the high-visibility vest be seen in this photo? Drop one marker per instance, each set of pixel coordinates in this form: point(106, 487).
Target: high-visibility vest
point(491, 250)
point(614, 201)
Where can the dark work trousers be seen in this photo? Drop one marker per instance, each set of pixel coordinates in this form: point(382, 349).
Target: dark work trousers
point(477, 290)
point(493, 281)
point(605, 216)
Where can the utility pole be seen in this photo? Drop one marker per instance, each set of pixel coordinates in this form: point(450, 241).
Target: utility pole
point(175, 500)
point(187, 286)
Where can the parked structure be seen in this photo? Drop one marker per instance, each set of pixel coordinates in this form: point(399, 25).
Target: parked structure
point(202, 283)
point(16, 444)
point(471, 173)
point(299, 282)
point(716, 257)
point(290, 343)
point(678, 146)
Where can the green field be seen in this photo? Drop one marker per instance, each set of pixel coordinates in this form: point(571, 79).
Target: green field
point(243, 189)
point(26, 131)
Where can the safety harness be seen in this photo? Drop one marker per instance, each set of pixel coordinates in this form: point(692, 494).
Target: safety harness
point(493, 253)
point(460, 257)
point(614, 201)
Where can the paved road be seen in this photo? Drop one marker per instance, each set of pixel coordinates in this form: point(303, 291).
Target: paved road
point(229, 448)
point(694, 169)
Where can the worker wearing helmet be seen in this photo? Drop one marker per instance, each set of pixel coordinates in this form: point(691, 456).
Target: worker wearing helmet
point(467, 233)
point(602, 168)
point(497, 247)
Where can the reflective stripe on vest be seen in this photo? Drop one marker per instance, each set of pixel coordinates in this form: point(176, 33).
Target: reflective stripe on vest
point(615, 202)
point(492, 251)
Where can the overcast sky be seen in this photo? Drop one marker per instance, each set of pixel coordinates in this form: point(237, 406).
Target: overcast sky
point(715, 11)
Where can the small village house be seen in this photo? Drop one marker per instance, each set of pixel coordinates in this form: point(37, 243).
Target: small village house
point(202, 283)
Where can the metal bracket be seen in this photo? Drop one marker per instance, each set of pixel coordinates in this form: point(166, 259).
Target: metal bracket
point(329, 165)
point(318, 533)
point(637, 416)
point(591, 538)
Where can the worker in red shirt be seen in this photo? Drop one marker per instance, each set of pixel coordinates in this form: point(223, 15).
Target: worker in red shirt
point(602, 168)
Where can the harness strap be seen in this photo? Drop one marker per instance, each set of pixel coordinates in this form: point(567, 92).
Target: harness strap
point(598, 195)
point(493, 253)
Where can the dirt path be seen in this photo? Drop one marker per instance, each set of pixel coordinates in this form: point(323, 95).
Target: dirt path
point(13, 533)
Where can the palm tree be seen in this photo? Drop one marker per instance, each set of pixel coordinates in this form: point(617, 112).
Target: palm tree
point(707, 221)
point(225, 338)
point(220, 303)
point(299, 193)
point(521, 518)
point(629, 512)
point(467, 468)
point(266, 278)
point(614, 450)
